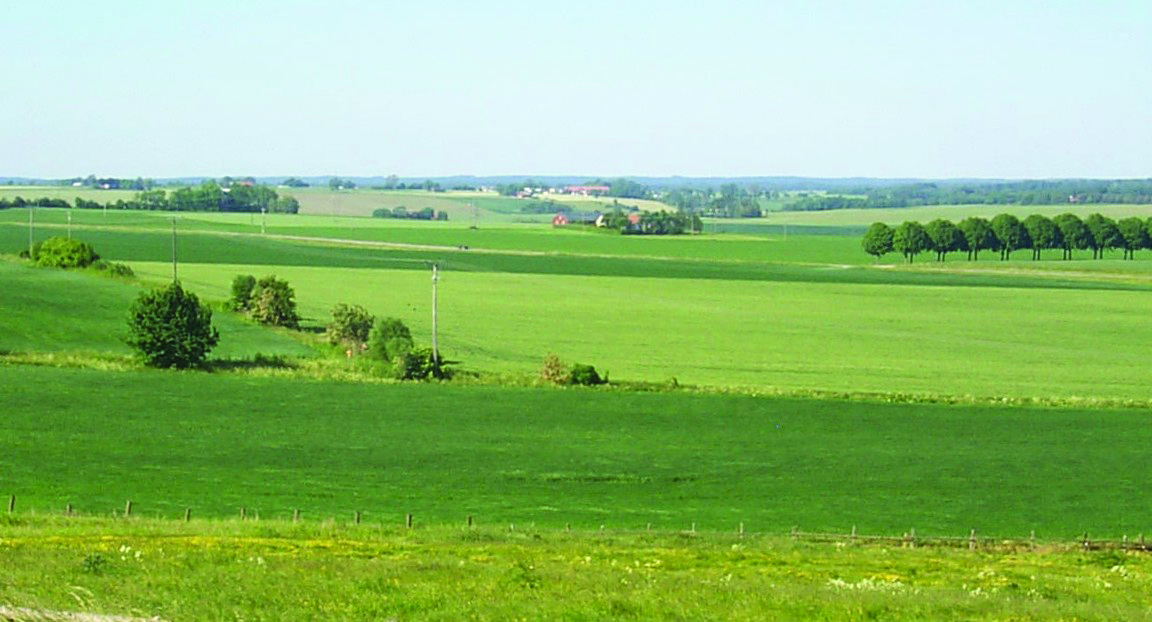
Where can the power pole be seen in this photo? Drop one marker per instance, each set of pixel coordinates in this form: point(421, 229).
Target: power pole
point(174, 279)
point(435, 332)
point(69, 224)
point(263, 212)
point(31, 236)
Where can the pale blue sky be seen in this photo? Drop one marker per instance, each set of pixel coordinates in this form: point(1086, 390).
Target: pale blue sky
point(885, 88)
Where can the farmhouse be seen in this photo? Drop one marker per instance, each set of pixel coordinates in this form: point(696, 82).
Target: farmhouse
point(587, 190)
point(562, 219)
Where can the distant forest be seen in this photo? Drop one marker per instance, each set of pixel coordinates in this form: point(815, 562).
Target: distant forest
point(1053, 192)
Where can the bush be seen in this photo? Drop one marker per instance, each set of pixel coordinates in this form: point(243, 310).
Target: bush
point(113, 268)
point(554, 371)
point(58, 252)
point(389, 340)
point(170, 328)
point(418, 364)
point(351, 325)
point(242, 287)
point(273, 302)
point(585, 375)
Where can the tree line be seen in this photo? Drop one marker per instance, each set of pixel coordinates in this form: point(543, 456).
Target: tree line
point(207, 197)
point(1034, 192)
point(1006, 233)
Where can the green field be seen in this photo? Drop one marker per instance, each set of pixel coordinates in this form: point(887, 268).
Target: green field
point(217, 443)
point(773, 377)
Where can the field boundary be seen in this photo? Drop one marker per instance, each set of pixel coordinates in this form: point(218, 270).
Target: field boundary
point(354, 519)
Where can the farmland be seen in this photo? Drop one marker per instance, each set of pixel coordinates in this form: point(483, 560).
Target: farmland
point(775, 378)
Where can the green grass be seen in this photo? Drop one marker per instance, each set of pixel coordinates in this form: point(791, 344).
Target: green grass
point(955, 213)
point(773, 335)
point(49, 310)
point(276, 571)
point(217, 443)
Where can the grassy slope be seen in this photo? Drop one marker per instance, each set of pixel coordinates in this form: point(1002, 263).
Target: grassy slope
point(228, 571)
point(218, 443)
point(983, 341)
point(56, 311)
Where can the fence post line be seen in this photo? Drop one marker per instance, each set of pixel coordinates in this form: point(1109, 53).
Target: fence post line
point(469, 521)
point(408, 521)
point(11, 504)
point(128, 509)
point(296, 515)
point(972, 541)
point(187, 514)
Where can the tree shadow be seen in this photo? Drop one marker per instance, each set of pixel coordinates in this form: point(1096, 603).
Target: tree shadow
point(259, 361)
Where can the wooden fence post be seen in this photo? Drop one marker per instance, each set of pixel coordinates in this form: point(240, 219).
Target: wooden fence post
point(128, 509)
point(469, 521)
point(852, 537)
point(912, 539)
point(243, 513)
point(1085, 543)
point(408, 521)
point(1032, 540)
point(296, 515)
point(187, 514)
point(356, 517)
point(972, 541)
point(12, 504)
point(741, 530)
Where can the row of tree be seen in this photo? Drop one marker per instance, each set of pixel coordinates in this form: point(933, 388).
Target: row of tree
point(207, 197)
point(1006, 233)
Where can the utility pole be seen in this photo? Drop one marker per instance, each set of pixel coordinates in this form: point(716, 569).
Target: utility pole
point(69, 224)
point(435, 332)
point(31, 237)
point(263, 212)
point(174, 279)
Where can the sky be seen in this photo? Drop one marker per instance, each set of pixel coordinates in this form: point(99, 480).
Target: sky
point(817, 88)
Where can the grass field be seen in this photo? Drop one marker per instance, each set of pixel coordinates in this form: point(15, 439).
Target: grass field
point(955, 213)
point(229, 571)
point(217, 443)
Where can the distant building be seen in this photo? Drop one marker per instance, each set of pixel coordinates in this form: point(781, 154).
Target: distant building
point(587, 190)
point(562, 219)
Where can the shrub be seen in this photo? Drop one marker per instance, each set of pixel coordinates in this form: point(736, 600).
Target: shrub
point(273, 302)
point(58, 252)
point(351, 324)
point(170, 328)
point(418, 364)
point(112, 268)
point(242, 287)
point(585, 375)
point(389, 340)
point(554, 371)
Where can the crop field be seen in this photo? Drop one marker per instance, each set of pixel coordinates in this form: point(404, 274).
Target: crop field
point(218, 443)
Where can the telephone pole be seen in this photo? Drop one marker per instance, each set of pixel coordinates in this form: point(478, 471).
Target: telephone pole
point(174, 279)
point(435, 332)
point(31, 236)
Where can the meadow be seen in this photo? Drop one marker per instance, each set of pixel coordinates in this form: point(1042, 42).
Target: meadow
point(177, 571)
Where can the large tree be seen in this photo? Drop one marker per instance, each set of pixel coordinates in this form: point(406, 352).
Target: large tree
point(944, 237)
point(1133, 236)
point(170, 328)
point(910, 239)
point(1073, 234)
point(878, 240)
point(978, 236)
point(1010, 233)
point(1043, 232)
point(1105, 235)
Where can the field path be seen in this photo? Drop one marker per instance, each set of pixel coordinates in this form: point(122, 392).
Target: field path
point(21, 614)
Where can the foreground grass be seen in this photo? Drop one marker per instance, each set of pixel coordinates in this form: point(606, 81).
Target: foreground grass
point(219, 443)
point(280, 571)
